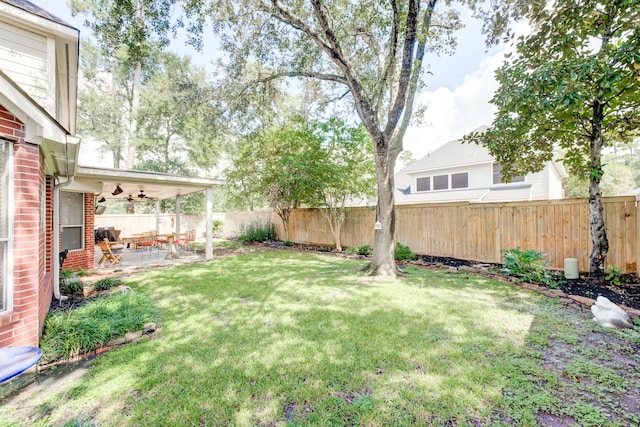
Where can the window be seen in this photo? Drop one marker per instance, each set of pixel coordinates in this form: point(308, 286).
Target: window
point(6, 185)
point(72, 218)
point(497, 175)
point(423, 184)
point(460, 180)
point(441, 182)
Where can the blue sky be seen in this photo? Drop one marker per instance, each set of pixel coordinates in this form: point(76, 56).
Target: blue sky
point(456, 95)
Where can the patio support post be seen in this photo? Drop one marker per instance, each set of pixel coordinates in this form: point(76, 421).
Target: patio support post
point(177, 214)
point(157, 217)
point(208, 225)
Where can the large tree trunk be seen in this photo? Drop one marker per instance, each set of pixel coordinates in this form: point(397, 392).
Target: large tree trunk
point(383, 261)
point(133, 120)
point(598, 232)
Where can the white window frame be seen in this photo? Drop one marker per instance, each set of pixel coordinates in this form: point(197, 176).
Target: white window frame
point(423, 191)
point(494, 174)
point(7, 261)
point(82, 226)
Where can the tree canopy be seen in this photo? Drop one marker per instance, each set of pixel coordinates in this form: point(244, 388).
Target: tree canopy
point(573, 83)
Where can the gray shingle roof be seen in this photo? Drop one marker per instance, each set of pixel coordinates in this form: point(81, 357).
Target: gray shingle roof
point(37, 10)
point(452, 154)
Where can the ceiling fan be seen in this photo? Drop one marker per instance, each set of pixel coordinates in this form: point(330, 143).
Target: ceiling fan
point(129, 199)
point(142, 195)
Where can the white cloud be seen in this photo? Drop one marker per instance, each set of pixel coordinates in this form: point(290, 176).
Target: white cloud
point(452, 114)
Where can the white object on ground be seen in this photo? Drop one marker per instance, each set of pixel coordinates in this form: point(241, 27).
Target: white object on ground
point(609, 315)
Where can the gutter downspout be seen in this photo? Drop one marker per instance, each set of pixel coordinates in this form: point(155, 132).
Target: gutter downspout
point(56, 237)
point(71, 151)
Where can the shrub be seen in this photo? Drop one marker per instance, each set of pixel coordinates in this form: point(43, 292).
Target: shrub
point(287, 243)
point(68, 334)
point(71, 286)
point(364, 250)
point(107, 283)
point(529, 266)
point(612, 275)
point(352, 250)
point(70, 282)
point(403, 253)
point(258, 232)
point(217, 226)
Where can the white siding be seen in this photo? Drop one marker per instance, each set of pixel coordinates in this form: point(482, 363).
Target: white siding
point(539, 184)
point(479, 175)
point(23, 57)
point(555, 183)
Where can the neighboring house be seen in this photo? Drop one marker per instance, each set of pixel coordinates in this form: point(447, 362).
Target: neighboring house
point(47, 201)
point(467, 172)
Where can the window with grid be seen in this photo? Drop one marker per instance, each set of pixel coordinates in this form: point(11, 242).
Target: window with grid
point(497, 175)
point(423, 184)
point(460, 180)
point(5, 185)
point(72, 219)
point(441, 182)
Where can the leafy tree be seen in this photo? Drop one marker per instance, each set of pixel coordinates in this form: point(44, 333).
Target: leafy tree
point(132, 28)
point(372, 51)
point(574, 82)
point(177, 118)
point(347, 171)
point(618, 178)
point(101, 98)
point(406, 158)
point(282, 165)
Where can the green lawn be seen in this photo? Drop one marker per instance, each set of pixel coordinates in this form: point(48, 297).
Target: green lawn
point(276, 337)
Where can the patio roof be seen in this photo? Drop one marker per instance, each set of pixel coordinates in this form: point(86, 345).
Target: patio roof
point(155, 185)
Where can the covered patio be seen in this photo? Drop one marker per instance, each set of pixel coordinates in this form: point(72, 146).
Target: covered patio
point(133, 186)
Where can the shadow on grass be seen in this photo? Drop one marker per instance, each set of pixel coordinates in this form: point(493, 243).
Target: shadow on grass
point(278, 337)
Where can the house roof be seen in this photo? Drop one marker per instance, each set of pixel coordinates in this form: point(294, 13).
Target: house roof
point(59, 147)
point(452, 154)
point(37, 10)
point(155, 185)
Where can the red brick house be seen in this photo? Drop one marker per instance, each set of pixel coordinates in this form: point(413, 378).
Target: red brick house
point(38, 154)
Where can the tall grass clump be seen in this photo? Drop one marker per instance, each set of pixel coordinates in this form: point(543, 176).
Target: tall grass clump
point(529, 266)
point(68, 334)
point(258, 231)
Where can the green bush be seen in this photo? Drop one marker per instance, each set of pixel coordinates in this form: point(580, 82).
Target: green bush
point(68, 334)
point(612, 275)
point(217, 225)
point(364, 250)
point(258, 232)
point(287, 243)
point(403, 253)
point(71, 286)
point(529, 266)
point(107, 283)
point(352, 250)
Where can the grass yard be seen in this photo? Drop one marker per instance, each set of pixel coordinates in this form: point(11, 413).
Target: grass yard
point(275, 337)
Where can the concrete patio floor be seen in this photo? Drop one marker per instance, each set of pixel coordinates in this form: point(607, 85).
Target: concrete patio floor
point(136, 259)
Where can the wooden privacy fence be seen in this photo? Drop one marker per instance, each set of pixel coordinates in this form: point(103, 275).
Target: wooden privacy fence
point(482, 231)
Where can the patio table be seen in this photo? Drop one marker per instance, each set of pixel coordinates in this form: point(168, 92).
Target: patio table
point(172, 252)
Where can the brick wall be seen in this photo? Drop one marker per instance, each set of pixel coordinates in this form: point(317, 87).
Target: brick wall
point(22, 325)
point(83, 259)
point(46, 229)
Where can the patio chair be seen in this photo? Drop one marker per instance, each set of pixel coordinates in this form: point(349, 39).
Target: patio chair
point(110, 253)
point(184, 242)
point(149, 246)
